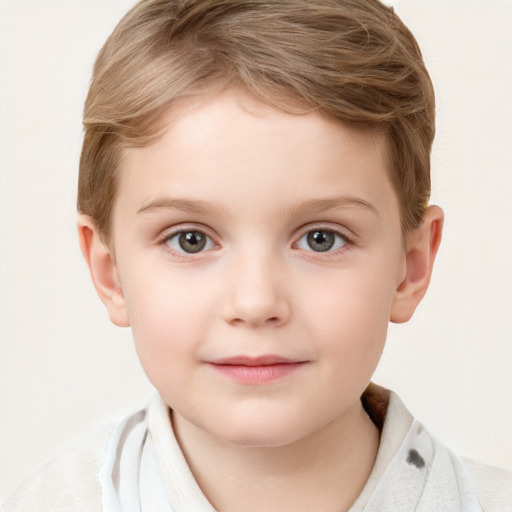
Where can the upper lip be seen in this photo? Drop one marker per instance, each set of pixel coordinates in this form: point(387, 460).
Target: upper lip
point(265, 360)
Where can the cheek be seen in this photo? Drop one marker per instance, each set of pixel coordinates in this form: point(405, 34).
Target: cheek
point(351, 315)
point(170, 317)
point(353, 334)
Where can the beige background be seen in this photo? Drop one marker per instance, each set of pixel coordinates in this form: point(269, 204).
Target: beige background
point(64, 370)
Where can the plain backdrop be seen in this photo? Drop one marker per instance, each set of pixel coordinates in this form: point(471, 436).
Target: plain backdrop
point(65, 371)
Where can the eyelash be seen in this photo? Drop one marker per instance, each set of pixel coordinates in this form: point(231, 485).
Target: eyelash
point(210, 244)
point(170, 235)
point(332, 251)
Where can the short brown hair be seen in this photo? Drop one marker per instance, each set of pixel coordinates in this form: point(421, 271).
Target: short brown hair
point(353, 60)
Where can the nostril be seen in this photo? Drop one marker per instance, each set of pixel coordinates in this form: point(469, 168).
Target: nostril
point(274, 320)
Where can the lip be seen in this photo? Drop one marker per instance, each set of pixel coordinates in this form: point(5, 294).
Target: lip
point(256, 370)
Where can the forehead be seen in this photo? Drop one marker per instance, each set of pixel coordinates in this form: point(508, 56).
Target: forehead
point(234, 150)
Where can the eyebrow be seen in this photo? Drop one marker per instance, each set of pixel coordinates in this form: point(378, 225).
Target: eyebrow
point(308, 207)
point(185, 205)
point(335, 203)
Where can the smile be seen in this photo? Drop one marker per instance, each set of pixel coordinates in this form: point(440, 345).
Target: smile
point(256, 370)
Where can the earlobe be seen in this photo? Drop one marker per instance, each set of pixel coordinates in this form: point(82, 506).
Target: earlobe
point(422, 246)
point(103, 270)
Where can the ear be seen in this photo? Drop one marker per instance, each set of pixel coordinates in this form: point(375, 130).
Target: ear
point(422, 246)
point(102, 267)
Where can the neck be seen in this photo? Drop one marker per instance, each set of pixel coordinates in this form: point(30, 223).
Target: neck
point(325, 471)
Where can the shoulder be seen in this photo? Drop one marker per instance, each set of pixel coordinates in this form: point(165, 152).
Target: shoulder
point(69, 482)
point(493, 486)
point(403, 436)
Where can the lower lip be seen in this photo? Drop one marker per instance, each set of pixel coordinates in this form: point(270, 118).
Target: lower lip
point(257, 374)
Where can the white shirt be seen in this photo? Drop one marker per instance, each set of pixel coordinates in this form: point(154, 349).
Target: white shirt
point(138, 466)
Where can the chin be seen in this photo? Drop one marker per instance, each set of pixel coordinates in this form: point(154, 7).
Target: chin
point(260, 434)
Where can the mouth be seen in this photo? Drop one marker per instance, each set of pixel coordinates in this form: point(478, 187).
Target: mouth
point(256, 370)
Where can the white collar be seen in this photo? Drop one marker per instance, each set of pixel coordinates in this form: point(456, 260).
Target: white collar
point(145, 470)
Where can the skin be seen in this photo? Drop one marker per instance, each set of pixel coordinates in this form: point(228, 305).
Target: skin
point(254, 181)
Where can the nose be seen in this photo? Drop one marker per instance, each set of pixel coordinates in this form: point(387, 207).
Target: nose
point(256, 293)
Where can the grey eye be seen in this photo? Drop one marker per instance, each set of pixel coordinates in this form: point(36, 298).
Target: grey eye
point(189, 242)
point(321, 240)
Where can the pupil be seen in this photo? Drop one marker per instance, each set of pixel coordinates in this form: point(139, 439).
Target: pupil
point(192, 241)
point(321, 241)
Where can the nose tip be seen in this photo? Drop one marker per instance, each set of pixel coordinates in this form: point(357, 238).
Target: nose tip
point(256, 298)
point(256, 310)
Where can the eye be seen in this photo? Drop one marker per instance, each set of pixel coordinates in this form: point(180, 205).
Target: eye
point(190, 242)
point(321, 240)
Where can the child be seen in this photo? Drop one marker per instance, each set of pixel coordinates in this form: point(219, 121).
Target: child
point(253, 203)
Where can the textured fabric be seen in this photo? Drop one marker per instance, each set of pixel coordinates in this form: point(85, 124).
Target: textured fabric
point(138, 466)
point(419, 474)
point(68, 483)
point(129, 477)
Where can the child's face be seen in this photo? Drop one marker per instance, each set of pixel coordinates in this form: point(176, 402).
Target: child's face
point(248, 236)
